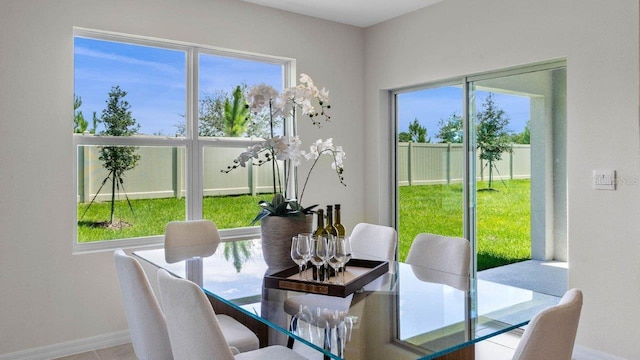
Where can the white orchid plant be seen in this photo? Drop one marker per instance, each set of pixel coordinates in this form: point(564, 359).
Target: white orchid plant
point(311, 102)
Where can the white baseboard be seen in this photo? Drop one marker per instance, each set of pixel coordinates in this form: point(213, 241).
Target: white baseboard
point(71, 347)
point(583, 353)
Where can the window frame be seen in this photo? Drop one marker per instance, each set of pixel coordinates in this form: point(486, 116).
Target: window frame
point(191, 142)
point(469, 170)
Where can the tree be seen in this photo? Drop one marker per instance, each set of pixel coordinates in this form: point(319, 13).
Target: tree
point(79, 123)
point(492, 135)
point(236, 114)
point(450, 129)
point(212, 117)
point(211, 114)
point(118, 121)
point(417, 133)
point(404, 137)
point(258, 125)
point(524, 137)
point(239, 251)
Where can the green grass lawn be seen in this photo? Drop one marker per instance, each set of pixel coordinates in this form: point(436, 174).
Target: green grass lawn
point(150, 216)
point(503, 217)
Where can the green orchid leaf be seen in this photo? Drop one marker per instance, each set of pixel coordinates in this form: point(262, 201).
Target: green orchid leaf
point(278, 200)
point(307, 210)
point(261, 215)
point(267, 206)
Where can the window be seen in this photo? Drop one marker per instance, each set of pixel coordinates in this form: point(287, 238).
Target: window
point(508, 196)
point(151, 140)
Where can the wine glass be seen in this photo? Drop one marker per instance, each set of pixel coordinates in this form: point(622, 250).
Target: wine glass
point(341, 337)
point(298, 243)
point(347, 254)
point(301, 324)
point(336, 257)
point(318, 253)
point(323, 329)
point(304, 248)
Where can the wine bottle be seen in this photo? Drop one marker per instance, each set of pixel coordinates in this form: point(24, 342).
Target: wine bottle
point(320, 230)
point(338, 222)
point(331, 230)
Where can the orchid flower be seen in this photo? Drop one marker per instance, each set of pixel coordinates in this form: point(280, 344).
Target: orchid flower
point(311, 102)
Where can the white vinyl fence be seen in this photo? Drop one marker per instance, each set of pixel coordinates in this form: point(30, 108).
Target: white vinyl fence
point(160, 172)
point(426, 163)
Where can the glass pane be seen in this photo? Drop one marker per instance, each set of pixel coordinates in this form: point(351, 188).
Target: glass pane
point(231, 199)
point(153, 79)
point(224, 79)
point(429, 163)
point(520, 167)
point(139, 202)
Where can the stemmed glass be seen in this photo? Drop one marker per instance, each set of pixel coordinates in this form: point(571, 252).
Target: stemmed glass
point(301, 324)
point(347, 254)
point(344, 328)
point(305, 250)
point(300, 252)
point(336, 256)
point(318, 253)
point(323, 329)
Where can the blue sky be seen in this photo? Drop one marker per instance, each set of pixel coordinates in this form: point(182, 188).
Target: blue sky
point(155, 80)
point(429, 106)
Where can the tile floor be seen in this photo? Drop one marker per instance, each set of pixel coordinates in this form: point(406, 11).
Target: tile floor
point(120, 352)
point(499, 348)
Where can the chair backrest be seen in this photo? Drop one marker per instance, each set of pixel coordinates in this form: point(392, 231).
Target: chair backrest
point(442, 253)
point(145, 318)
point(551, 333)
point(184, 240)
point(373, 242)
point(193, 328)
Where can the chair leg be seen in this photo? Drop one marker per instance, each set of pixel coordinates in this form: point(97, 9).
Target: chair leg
point(327, 341)
point(293, 325)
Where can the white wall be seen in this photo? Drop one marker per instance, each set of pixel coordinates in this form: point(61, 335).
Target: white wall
point(49, 296)
point(599, 39)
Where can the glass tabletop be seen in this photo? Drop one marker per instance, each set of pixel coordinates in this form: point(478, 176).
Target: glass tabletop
point(411, 312)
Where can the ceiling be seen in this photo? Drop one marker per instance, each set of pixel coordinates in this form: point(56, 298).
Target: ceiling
point(361, 13)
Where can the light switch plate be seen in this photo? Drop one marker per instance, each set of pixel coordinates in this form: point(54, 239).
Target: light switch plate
point(604, 179)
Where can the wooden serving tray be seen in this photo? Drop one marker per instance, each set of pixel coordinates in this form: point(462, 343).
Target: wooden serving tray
point(359, 273)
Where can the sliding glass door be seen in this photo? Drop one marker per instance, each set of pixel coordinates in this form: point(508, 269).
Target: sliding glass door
point(430, 163)
point(508, 196)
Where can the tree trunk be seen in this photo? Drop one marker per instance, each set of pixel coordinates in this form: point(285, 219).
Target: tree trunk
point(490, 173)
point(113, 195)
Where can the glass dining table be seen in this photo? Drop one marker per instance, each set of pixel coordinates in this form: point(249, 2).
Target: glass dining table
point(410, 312)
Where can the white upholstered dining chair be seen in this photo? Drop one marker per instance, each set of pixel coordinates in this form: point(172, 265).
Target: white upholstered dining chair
point(193, 328)
point(145, 319)
point(147, 322)
point(185, 240)
point(190, 241)
point(443, 253)
point(551, 334)
point(374, 242)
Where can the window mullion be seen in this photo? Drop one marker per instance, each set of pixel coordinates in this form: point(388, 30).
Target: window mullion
point(194, 150)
